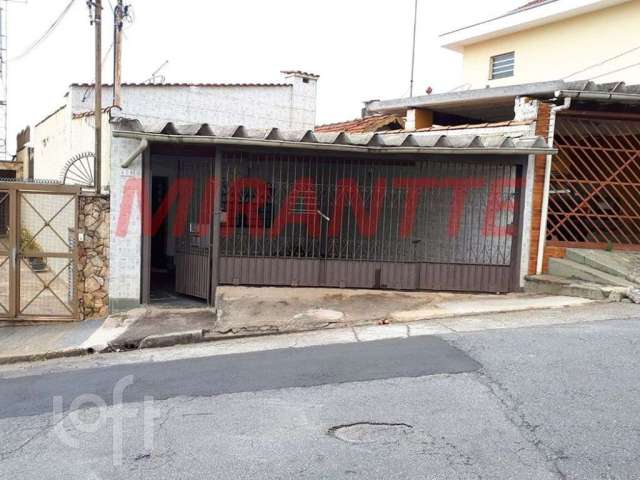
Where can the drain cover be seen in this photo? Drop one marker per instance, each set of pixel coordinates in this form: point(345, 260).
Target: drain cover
point(371, 432)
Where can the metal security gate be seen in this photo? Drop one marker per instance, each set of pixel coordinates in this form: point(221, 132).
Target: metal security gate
point(193, 250)
point(594, 198)
point(38, 252)
point(443, 223)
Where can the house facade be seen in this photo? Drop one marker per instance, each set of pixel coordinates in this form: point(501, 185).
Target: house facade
point(551, 40)
point(271, 207)
point(69, 131)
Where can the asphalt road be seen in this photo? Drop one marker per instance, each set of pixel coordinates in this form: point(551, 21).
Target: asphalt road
point(553, 402)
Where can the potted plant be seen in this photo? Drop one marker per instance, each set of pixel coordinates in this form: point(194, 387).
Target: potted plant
point(38, 264)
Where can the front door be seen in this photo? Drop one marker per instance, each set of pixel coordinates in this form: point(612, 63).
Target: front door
point(193, 250)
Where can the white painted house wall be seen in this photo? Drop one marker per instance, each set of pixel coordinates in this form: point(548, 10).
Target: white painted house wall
point(290, 105)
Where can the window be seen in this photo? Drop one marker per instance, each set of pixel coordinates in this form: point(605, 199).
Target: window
point(502, 66)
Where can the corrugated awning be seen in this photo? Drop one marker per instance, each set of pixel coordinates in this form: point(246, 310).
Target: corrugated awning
point(380, 143)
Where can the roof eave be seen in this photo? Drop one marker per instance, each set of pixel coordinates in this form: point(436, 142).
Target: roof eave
point(228, 141)
point(521, 20)
point(446, 99)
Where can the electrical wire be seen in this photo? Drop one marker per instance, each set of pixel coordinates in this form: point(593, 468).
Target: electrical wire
point(603, 62)
point(616, 71)
point(45, 35)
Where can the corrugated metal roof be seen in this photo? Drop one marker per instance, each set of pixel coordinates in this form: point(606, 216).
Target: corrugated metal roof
point(382, 142)
point(452, 102)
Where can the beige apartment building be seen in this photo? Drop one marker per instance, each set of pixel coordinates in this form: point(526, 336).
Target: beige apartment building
point(552, 40)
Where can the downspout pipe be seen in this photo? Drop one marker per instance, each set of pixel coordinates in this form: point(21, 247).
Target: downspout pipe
point(544, 217)
point(144, 144)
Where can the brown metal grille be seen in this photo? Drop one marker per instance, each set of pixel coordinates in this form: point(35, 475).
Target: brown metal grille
point(595, 183)
point(5, 249)
point(38, 252)
point(330, 221)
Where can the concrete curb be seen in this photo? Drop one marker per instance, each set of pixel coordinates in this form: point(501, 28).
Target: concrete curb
point(171, 339)
point(205, 336)
point(41, 357)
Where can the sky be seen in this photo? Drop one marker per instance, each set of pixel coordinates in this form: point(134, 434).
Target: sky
point(360, 48)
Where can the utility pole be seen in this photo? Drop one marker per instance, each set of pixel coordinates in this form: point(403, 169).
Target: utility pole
point(413, 51)
point(119, 14)
point(97, 23)
point(3, 82)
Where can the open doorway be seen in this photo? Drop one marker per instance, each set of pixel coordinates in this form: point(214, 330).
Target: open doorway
point(179, 261)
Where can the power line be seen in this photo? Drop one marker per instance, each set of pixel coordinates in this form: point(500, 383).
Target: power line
point(603, 62)
point(46, 34)
point(616, 71)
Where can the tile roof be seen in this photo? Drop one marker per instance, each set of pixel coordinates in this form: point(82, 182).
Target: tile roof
point(371, 142)
point(373, 123)
point(476, 126)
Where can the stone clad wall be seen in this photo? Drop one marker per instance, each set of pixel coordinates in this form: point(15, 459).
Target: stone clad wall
point(93, 266)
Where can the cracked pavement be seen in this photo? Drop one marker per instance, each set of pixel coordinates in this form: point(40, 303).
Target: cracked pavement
point(546, 402)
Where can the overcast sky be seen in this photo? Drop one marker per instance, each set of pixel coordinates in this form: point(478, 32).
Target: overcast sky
point(361, 48)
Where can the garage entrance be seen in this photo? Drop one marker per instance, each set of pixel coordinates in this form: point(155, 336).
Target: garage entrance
point(437, 223)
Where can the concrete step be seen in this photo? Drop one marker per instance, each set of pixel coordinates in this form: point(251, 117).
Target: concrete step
point(554, 285)
point(570, 269)
point(619, 264)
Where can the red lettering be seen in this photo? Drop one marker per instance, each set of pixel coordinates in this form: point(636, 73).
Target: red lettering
point(180, 191)
point(497, 204)
point(461, 188)
point(303, 190)
point(131, 191)
point(250, 210)
point(414, 187)
point(348, 191)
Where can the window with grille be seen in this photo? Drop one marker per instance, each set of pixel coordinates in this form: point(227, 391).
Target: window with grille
point(503, 66)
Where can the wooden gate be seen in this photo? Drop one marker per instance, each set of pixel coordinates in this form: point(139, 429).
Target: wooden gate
point(594, 198)
point(38, 251)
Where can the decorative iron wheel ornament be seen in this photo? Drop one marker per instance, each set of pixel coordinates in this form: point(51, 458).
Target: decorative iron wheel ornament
point(80, 170)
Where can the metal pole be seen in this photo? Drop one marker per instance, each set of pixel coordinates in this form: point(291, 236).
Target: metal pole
point(413, 51)
point(4, 78)
point(98, 93)
point(117, 53)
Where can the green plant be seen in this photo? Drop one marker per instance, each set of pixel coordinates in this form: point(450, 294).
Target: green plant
point(28, 243)
point(609, 247)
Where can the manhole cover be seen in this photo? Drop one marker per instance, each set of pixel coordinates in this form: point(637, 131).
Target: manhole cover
point(371, 432)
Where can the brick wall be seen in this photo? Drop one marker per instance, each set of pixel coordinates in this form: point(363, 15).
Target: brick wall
point(542, 129)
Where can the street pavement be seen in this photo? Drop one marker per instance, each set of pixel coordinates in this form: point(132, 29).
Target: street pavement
point(553, 401)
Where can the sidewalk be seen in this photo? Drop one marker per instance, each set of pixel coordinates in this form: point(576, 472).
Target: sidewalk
point(249, 312)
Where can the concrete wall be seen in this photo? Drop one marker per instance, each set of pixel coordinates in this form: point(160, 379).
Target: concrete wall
point(52, 144)
point(556, 50)
point(63, 135)
point(126, 246)
point(17, 167)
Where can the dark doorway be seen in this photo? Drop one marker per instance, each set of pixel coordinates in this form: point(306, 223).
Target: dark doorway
point(174, 185)
point(159, 188)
